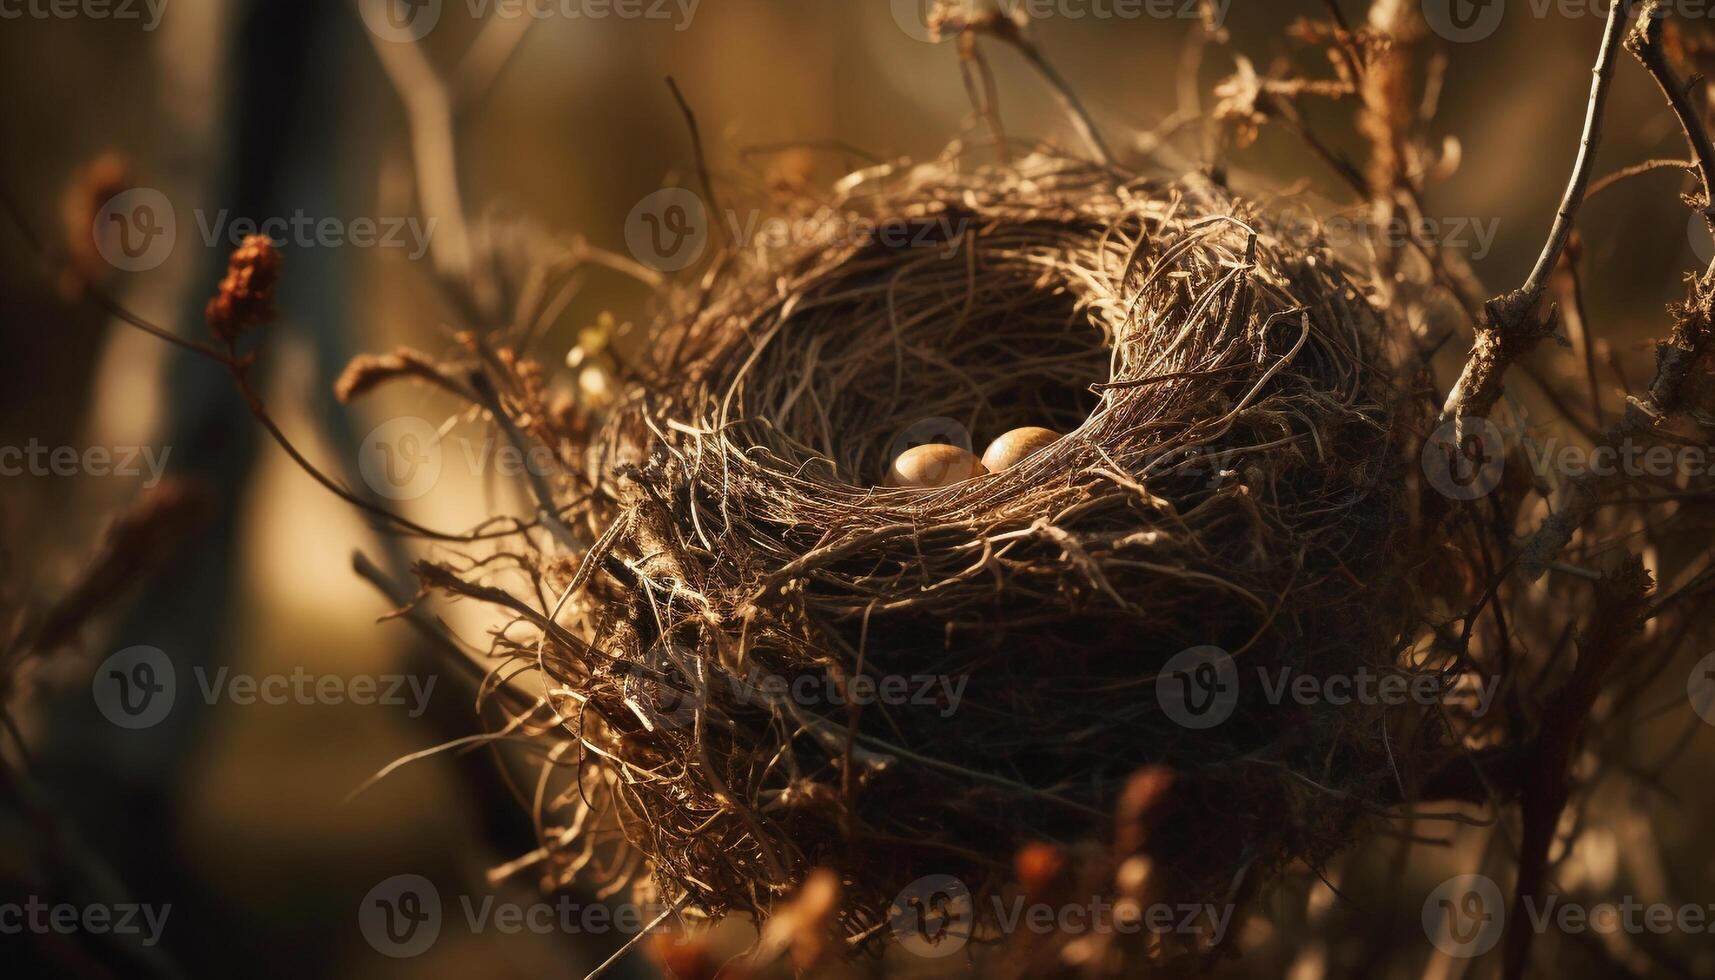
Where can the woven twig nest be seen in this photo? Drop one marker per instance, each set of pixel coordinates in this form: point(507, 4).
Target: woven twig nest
point(1228, 478)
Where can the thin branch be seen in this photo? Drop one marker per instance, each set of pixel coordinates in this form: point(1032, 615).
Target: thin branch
point(631, 943)
point(1645, 44)
point(1001, 29)
point(702, 160)
point(1510, 326)
point(980, 88)
point(1568, 213)
point(1692, 331)
point(1626, 173)
point(582, 252)
point(547, 510)
point(1344, 41)
point(88, 290)
point(405, 606)
point(429, 113)
point(260, 412)
point(238, 367)
point(1621, 599)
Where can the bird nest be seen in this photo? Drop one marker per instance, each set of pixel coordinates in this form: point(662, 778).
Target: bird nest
point(763, 660)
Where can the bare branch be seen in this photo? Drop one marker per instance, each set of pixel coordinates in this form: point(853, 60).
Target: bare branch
point(1001, 29)
point(1694, 325)
point(1644, 42)
point(547, 510)
point(1510, 326)
point(429, 112)
point(1604, 73)
point(1627, 173)
point(980, 88)
point(697, 150)
point(1693, 339)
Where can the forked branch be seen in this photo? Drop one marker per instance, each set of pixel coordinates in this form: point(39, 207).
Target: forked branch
point(1676, 358)
point(1645, 44)
point(1511, 326)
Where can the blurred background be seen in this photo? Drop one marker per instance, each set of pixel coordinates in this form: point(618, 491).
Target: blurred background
point(237, 814)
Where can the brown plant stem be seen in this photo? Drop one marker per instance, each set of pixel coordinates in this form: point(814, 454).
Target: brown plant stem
point(1645, 44)
point(980, 89)
point(1675, 358)
point(1002, 29)
point(703, 178)
point(1510, 326)
point(432, 119)
point(1626, 173)
point(1621, 601)
point(547, 510)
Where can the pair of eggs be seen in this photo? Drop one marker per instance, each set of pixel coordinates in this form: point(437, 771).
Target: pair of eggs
point(941, 465)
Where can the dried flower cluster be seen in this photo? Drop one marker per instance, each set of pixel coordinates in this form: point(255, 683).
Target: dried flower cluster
point(245, 298)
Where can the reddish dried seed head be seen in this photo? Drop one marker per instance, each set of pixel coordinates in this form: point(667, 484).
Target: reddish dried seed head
point(246, 296)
